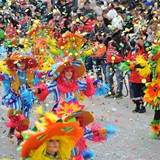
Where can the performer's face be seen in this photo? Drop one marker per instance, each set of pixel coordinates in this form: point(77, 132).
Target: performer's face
point(68, 74)
point(52, 146)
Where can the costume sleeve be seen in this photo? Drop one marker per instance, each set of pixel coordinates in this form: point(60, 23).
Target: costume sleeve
point(95, 134)
point(41, 90)
point(87, 87)
point(82, 85)
point(52, 88)
point(88, 134)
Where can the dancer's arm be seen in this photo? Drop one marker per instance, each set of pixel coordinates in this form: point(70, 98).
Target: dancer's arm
point(87, 87)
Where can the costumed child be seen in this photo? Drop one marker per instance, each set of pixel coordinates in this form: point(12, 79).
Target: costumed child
point(73, 110)
point(19, 74)
point(113, 59)
point(138, 81)
point(50, 139)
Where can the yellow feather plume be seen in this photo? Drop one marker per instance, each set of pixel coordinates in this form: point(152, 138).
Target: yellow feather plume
point(4, 68)
point(54, 51)
point(158, 65)
point(39, 110)
point(41, 127)
point(53, 118)
point(88, 53)
point(147, 68)
point(48, 64)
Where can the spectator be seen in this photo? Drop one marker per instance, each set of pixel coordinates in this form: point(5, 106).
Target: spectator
point(56, 16)
point(152, 30)
point(128, 25)
point(98, 8)
point(98, 34)
point(99, 63)
point(85, 24)
point(55, 23)
point(117, 21)
point(121, 42)
point(107, 22)
point(113, 59)
point(59, 23)
point(99, 28)
point(86, 9)
point(112, 12)
point(136, 80)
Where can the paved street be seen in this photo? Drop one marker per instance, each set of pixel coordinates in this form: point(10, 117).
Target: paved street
point(130, 143)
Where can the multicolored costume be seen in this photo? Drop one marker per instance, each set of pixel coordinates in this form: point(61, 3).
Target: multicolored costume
point(66, 91)
point(73, 110)
point(15, 82)
point(152, 91)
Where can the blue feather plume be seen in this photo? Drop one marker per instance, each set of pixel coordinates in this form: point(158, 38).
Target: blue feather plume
point(87, 154)
point(111, 131)
point(102, 89)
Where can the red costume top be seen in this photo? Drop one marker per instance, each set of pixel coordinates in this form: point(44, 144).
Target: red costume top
point(134, 76)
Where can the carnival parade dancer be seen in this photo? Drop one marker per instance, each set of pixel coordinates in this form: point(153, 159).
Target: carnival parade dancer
point(50, 139)
point(67, 86)
point(20, 75)
point(152, 91)
point(74, 111)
